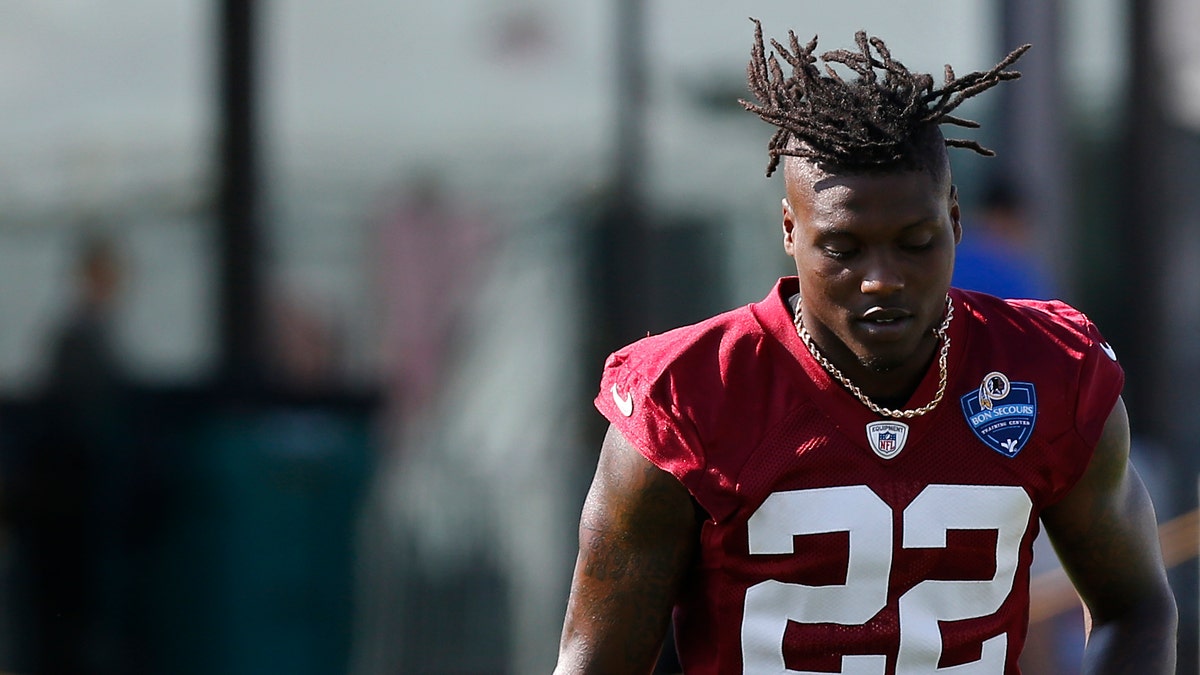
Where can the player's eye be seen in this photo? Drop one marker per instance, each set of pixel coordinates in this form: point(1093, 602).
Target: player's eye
point(838, 252)
point(920, 243)
point(838, 247)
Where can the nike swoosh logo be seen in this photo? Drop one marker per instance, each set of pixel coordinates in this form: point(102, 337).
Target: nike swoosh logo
point(1108, 350)
point(624, 404)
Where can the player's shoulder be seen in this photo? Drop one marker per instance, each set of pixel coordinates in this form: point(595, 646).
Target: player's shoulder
point(1028, 320)
point(712, 341)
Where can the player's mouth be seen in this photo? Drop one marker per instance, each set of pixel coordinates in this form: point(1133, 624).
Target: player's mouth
point(887, 323)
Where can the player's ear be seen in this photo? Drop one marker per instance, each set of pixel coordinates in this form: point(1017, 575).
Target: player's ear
point(789, 228)
point(955, 214)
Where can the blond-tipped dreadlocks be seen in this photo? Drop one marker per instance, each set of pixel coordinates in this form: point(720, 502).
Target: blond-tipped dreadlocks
point(875, 121)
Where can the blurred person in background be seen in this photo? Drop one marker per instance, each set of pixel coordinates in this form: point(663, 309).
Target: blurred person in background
point(432, 250)
point(75, 512)
point(431, 254)
point(786, 478)
point(997, 254)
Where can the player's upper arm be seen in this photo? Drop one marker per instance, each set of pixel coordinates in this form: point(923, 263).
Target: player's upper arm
point(1105, 533)
point(637, 536)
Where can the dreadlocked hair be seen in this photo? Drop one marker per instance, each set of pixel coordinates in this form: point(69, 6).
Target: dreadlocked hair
point(875, 121)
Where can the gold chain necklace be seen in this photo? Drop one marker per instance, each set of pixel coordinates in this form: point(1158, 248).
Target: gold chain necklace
point(942, 333)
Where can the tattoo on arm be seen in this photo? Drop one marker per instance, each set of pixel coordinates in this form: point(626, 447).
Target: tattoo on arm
point(637, 538)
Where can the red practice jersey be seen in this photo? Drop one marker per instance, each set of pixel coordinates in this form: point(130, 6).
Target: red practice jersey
point(838, 541)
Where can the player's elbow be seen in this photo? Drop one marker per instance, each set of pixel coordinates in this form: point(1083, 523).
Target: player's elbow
point(1140, 638)
point(1151, 613)
point(1162, 610)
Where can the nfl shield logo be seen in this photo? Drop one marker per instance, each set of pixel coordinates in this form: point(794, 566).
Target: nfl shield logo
point(887, 438)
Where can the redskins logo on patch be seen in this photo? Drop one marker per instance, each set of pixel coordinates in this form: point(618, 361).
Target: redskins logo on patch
point(994, 388)
point(1001, 412)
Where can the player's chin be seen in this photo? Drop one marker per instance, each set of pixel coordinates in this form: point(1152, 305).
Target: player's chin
point(881, 363)
point(884, 356)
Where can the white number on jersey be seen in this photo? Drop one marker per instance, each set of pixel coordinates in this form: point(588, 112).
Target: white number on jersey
point(858, 511)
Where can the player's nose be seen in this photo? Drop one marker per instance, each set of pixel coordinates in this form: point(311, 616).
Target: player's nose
point(881, 278)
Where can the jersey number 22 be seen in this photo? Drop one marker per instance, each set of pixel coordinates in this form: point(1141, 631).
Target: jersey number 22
point(856, 509)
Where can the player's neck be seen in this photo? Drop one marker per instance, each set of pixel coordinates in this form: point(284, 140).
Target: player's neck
point(893, 388)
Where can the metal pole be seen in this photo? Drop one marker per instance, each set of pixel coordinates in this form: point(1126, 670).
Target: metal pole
point(630, 102)
point(622, 295)
point(1140, 228)
point(238, 233)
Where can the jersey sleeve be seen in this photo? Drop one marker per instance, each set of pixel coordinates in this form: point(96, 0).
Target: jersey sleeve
point(1100, 376)
point(1100, 384)
point(667, 394)
point(637, 399)
point(691, 401)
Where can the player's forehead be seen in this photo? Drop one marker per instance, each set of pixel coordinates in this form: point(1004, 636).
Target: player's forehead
point(829, 199)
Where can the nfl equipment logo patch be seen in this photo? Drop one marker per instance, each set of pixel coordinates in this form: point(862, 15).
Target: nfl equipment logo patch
point(1001, 413)
point(887, 438)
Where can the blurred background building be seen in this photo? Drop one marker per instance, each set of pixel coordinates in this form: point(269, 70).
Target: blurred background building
point(366, 260)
